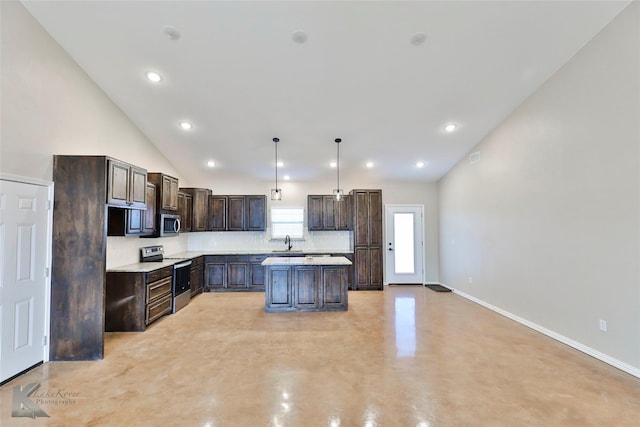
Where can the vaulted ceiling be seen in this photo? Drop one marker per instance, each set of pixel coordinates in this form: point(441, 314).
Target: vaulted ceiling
point(385, 76)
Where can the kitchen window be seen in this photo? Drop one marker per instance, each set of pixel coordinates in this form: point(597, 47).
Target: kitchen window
point(287, 222)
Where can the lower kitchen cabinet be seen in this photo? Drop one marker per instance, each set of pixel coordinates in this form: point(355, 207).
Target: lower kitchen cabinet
point(215, 273)
point(237, 272)
point(134, 300)
point(197, 276)
point(234, 273)
point(367, 268)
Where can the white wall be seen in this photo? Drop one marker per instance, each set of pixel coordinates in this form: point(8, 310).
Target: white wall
point(295, 194)
point(547, 224)
point(50, 106)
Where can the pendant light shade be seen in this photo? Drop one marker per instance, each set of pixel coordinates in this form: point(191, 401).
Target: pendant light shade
point(276, 193)
point(337, 192)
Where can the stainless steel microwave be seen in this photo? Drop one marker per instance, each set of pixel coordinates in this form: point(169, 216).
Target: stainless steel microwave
point(168, 225)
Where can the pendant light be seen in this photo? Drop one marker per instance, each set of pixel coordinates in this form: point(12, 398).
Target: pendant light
point(276, 193)
point(337, 192)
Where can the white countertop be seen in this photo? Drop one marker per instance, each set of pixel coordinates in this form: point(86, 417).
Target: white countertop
point(307, 260)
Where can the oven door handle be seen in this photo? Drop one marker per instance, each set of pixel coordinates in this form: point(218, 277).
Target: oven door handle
point(182, 264)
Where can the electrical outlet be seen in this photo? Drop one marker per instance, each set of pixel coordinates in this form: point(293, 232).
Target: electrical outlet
point(603, 325)
point(470, 280)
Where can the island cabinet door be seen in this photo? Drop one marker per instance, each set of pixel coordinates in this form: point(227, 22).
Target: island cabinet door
point(334, 287)
point(278, 293)
point(306, 283)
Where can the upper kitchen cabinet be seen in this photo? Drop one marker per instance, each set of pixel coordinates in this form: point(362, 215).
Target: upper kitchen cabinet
point(126, 185)
point(325, 213)
point(217, 213)
point(199, 208)
point(149, 222)
point(237, 213)
point(134, 222)
point(256, 213)
point(185, 210)
point(166, 189)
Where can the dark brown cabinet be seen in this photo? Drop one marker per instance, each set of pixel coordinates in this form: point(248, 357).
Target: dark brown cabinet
point(134, 300)
point(217, 213)
point(306, 288)
point(237, 213)
point(367, 267)
point(256, 213)
point(199, 207)
point(305, 283)
point(133, 222)
point(185, 210)
point(234, 273)
point(237, 272)
point(149, 224)
point(325, 213)
point(197, 276)
point(279, 292)
point(166, 189)
point(126, 185)
point(257, 272)
point(215, 272)
point(79, 250)
point(367, 230)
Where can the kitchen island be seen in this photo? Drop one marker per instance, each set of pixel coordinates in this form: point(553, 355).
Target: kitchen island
point(308, 283)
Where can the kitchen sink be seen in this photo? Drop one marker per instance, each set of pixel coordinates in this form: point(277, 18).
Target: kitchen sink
point(284, 251)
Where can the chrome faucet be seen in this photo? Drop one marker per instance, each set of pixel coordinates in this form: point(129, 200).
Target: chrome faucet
point(287, 241)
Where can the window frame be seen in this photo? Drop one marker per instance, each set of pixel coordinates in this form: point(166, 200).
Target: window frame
point(301, 223)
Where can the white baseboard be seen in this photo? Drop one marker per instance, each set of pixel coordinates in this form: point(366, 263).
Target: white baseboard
point(568, 341)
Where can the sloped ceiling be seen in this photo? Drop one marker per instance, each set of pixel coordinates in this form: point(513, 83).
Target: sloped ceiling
point(241, 76)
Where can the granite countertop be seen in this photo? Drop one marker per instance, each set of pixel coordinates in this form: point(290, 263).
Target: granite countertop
point(307, 260)
point(143, 267)
point(169, 260)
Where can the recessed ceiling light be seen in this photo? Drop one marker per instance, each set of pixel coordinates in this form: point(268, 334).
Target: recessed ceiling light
point(211, 163)
point(279, 164)
point(418, 38)
point(185, 125)
point(172, 33)
point(450, 127)
point(333, 164)
point(369, 164)
point(299, 36)
point(287, 177)
point(420, 164)
point(154, 77)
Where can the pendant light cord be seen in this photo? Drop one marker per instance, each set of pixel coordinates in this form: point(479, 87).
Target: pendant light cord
point(338, 163)
point(275, 140)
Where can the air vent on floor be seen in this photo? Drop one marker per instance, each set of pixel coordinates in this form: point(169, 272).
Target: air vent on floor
point(474, 157)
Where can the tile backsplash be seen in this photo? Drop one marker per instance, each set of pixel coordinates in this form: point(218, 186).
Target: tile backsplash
point(260, 241)
point(126, 250)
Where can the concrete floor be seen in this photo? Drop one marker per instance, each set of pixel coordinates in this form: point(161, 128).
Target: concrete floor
point(407, 356)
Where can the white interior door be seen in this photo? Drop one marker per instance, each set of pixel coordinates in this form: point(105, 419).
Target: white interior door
point(404, 244)
point(24, 221)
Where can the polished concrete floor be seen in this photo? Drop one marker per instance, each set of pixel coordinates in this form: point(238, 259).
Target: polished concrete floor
point(407, 356)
